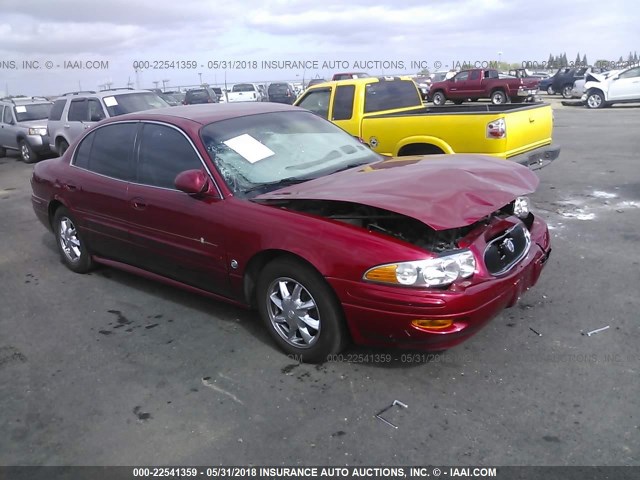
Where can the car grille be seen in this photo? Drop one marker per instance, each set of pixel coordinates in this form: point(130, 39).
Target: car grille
point(504, 251)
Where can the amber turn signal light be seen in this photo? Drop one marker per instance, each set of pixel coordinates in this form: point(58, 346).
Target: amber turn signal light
point(434, 324)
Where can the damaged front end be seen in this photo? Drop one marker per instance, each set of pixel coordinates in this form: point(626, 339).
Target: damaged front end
point(399, 226)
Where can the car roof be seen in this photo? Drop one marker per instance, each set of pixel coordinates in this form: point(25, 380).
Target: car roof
point(206, 113)
point(102, 93)
point(25, 100)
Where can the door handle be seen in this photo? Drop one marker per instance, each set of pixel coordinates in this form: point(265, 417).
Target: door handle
point(67, 125)
point(70, 187)
point(138, 204)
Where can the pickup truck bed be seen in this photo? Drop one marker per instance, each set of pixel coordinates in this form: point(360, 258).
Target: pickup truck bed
point(526, 130)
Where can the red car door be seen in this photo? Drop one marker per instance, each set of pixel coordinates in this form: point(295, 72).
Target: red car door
point(175, 235)
point(96, 189)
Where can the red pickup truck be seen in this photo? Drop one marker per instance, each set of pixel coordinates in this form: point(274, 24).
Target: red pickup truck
point(478, 83)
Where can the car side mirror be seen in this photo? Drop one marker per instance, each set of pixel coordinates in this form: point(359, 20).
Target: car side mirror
point(192, 182)
point(96, 117)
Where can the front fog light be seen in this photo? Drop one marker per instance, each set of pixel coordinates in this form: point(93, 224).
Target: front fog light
point(521, 207)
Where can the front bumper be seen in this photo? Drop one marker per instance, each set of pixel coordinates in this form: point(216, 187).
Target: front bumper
point(381, 315)
point(39, 143)
point(538, 158)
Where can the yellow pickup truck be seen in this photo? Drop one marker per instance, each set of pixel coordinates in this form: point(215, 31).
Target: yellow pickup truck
point(387, 113)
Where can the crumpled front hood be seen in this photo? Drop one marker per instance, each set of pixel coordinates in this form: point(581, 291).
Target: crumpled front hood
point(442, 191)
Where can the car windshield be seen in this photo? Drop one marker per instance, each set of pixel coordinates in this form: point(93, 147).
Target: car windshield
point(132, 102)
point(258, 153)
point(243, 87)
point(34, 111)
point(217, 90)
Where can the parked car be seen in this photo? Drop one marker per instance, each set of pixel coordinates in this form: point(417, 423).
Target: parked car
point(563, 82)
point(616, 87)
point(578, 86)
point(243, 92)
point(349, 75)
point(281, 92)
point(441, 76)
point(388, 114)
point(167, 97)
point(228, 202)
point(263, 96)
point(23, 127)
point(424, 85)
point(546, 84)
point(483, 83)
point(221, 94)
point(176, 96)
point(74, 112)
point(197, 96)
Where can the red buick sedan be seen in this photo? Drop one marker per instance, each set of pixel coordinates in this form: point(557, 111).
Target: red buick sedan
point(271, 207)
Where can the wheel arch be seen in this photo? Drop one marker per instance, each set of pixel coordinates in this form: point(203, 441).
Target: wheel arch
point(257, 263)
point(430, 143)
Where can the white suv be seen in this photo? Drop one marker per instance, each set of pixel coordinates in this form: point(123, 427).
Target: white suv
point(622, 87)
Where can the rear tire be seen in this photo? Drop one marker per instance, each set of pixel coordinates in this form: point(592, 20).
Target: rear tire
point(499, 97)
point(26, 152)
point(458, 102)
point(550, 90)
point(72, 247)
point(566, 91)
point(439, 99)
point(300, 310)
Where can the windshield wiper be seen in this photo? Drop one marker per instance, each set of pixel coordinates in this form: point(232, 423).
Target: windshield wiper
point(350, 165)
point(274, 185)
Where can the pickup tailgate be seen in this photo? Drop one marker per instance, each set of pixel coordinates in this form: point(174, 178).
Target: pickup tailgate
point(527, 129)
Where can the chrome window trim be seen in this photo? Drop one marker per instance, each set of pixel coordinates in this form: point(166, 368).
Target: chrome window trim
point(156, 122)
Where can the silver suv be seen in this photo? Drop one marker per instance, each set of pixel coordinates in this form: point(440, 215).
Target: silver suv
point(74, 112)
point(23, 127)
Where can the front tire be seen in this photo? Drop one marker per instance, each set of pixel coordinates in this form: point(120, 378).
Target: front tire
point(300, 310)
point(26, 152)
point(439, 99)
point(595, 99)
point(72, 247)
point(550, 90)
point(498, 97)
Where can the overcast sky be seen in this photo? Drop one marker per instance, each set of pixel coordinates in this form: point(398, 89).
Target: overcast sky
point(435, 33)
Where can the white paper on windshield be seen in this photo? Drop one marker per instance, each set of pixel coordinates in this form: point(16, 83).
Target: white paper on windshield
point(21, 109)
point(110, 101)
point(251, 149)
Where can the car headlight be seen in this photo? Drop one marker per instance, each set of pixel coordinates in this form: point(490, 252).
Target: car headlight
point(37, 131)
point(521, 207)
point(434, 272)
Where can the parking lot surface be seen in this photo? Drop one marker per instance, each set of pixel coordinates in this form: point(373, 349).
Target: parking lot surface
point(111, 369)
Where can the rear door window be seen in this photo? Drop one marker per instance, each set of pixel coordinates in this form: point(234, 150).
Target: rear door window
point(111, 150)
point(78, 111)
